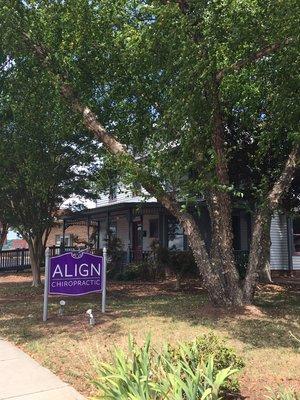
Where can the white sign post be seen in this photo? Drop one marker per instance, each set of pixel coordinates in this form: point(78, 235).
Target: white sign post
point(47, 259)
point(104, 279)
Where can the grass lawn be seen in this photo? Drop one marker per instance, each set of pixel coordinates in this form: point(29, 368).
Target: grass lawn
point(259, 333)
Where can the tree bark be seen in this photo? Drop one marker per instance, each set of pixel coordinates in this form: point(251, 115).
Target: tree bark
point(212, 279)
point(220, 207)
point(3, 233)
point(36, 252)
point(264, 272)
point(261, 227)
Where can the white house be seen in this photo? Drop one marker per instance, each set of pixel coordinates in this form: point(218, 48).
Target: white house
point(138, 222)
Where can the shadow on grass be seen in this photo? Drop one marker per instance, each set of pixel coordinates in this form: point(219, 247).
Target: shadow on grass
point(267, 326)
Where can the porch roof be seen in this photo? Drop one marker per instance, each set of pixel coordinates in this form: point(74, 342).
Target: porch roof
point(92, 214)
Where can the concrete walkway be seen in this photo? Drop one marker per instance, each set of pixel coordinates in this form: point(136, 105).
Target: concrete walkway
point(22, 378)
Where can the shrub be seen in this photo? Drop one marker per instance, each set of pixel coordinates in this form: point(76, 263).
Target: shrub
point(180, 263)
point(206, 346)
point(115, 255)
point(146, 270)
point(134, 271)
point(146, 375)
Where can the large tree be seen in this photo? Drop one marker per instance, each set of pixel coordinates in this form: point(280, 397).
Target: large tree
point(163, 80)
point(42, 162)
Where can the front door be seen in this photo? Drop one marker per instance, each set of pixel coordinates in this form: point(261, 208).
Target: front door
point(137, 241)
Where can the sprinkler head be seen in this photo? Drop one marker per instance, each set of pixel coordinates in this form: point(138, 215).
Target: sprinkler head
point(62, 303)
point(89, 313)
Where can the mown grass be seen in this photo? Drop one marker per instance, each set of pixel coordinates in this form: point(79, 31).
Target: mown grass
point(65, 344)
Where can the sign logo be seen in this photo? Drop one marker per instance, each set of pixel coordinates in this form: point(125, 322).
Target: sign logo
point(75, 274)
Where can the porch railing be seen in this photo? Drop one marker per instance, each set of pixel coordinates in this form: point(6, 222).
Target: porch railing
point(14, 260)
point(19, 259)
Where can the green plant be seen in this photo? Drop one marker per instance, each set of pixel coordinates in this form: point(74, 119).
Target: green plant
point(180, 263)
point(115, 255)
point(283, 394)
point(144, 374)
point(129, 376)
point(134, 271)
point(203, 347)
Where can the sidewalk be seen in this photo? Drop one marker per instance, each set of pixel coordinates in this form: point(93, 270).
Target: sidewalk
point(22, 378)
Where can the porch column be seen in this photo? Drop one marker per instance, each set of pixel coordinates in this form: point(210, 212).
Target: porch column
point(98, 235)
point(161, 229)
point(142, 225)
point(129, 235)
point(88, 230)
point(62, 245)
point(107, 225)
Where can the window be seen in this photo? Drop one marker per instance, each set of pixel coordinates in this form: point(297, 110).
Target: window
point(175, 236)
point(59, 240)
point(296, 235)
point(153, 228)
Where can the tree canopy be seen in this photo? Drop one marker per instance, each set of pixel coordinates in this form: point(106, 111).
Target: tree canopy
point(191, 98)
point(44, 157)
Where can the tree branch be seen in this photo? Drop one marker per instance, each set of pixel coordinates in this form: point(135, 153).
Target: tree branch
point(252, 58)
point(261, 227)
point(91, 122)
point(284, 181)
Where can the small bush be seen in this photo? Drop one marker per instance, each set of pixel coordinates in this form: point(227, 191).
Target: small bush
point(134, 271)
point(146, 270)
point(144, 374)
point(115, 256)
point(210, 345)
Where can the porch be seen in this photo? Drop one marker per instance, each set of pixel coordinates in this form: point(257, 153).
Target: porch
point(136, 225)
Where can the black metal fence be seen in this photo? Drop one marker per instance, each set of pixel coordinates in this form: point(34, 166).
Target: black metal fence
point(11, 260)
point(19, 259)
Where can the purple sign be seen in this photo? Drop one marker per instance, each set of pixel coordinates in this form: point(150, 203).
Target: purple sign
point(75, 274)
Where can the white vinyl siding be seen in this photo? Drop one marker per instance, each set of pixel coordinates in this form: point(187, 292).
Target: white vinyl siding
point(296, 262)
point(279, 245)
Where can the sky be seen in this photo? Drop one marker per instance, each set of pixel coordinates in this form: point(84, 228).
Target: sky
point(12, 235)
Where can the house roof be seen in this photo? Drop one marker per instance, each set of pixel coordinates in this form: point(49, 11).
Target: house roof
point(93, 213)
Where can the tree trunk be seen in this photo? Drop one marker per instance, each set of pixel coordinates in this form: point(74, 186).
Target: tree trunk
point(264, 273)
point(212, 278)
point(257, 256)
point(220, 207)
point(221, 254)
point(3, 233)
point(261, 227)
point(36, 252)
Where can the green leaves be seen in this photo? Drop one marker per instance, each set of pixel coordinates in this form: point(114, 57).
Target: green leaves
point(145, 375)
point(147, 69)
